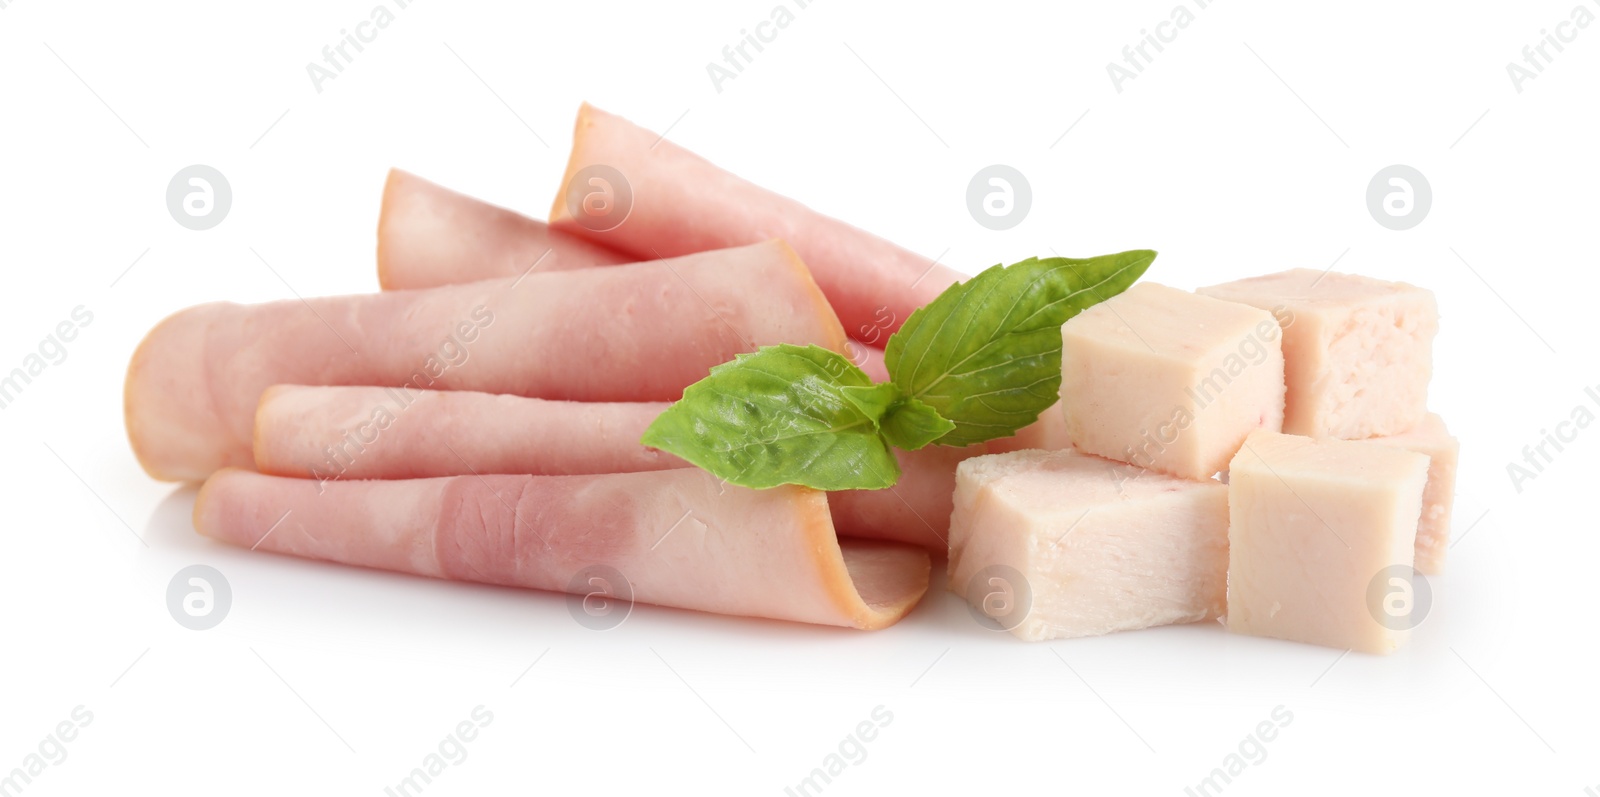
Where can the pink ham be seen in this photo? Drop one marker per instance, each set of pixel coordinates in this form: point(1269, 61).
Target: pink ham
point(679, 538)
point(916, 509)
point(429, 236)
point(868, 359)
point(630, 333)
point(399, 433)
point(345, 433)
point(682, 203)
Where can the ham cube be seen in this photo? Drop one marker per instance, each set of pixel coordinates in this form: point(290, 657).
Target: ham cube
point(1433, 532)
point(1319, 531)
point(1358, 351)
point(1058, 544)
point(1169, 380)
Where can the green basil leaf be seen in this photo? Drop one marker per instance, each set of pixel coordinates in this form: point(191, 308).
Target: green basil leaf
point(912, 424)
point(986, 354)
point(779, 416)
point(872, 400)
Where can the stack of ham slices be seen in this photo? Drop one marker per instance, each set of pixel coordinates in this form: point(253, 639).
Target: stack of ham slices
point(479, 419)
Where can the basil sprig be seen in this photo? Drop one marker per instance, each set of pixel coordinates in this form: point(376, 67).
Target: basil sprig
point(978, 363)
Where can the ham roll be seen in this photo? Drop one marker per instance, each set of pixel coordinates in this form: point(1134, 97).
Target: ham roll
point(403, 433)
point(673, 202)
point(429, 236)
point(678, 538)
point(348, 433)
point(642, 332)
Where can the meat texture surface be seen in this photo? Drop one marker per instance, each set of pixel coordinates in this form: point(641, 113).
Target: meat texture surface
point(640, 332)
point(674, 538)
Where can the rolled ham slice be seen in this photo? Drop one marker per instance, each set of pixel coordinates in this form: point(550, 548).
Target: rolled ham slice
point(679, 538)
point(399, 433)
point(642, 332)
point(681, 203)
point(347, 433)
point(429, 236)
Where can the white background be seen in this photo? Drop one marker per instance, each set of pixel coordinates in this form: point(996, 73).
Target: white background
point(1244, 148)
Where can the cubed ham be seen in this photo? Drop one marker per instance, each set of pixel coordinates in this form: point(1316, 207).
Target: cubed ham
point(1098, 545)
point(1169, 380)
point(1319, 531)
point(678, 537)
point(639, 332)
point(681, 203)
point(1433, 532)
point(1358, 351)
point(429, 236)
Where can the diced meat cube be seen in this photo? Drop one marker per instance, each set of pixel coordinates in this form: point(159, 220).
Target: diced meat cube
point(1089, 546)
point(1314, 524)
point(1169, 380)
point(1433, 533)
point(1358, 351)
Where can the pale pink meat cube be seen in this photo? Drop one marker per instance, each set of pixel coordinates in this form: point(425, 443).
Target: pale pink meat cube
point(1432, 438)
point(1320, 533)
point(1170, 380)
point(1058, 544)
point(1358, 351)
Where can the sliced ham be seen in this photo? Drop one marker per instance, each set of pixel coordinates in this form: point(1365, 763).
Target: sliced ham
point(681, 203)
point(916, 509)
point(631, 333)
point(870, 360)
point(346, 433)
point(429, 236)
point(679, 538)
point(404, 433)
